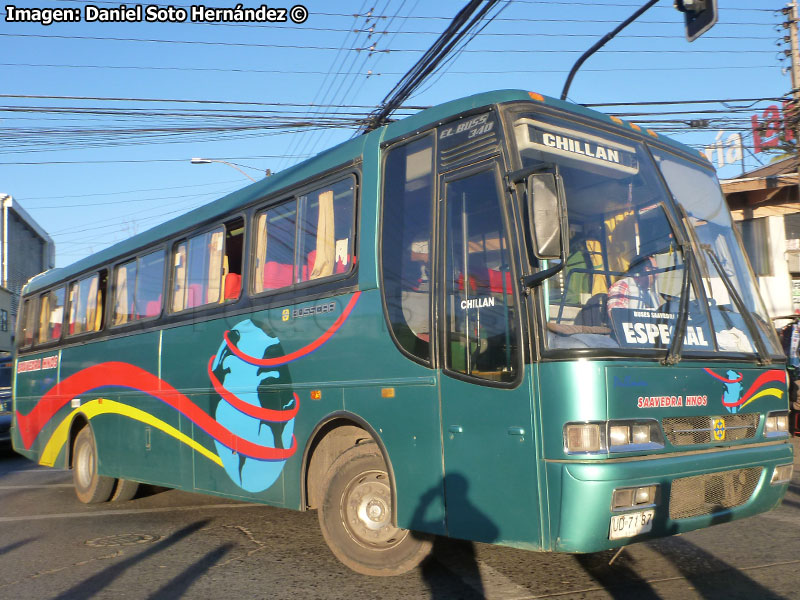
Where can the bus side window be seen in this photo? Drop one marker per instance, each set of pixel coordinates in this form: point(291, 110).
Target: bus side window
point(28, 321)
point(124, 282)
point(86, 304)
point(274, 261)
point(406, 243)
point(232, 261)
point(197, 264)
point(149, 290)
point(138, 288)
point(325, 246)
point(51, 315)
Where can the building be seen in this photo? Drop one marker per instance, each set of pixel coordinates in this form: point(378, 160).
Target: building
point(25, 250)
point(766, 207)
point(6, 330)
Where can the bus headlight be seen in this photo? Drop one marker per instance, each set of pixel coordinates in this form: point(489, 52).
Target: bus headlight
point(777, 424)
point(628, 435)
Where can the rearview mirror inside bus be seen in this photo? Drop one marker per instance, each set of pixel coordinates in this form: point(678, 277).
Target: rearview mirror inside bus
point(545, 215)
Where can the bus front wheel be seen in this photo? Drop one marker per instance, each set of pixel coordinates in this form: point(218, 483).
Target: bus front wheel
point(89, 486)
point(356, 516)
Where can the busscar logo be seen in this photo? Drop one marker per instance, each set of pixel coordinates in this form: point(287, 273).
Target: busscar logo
point(310, 311)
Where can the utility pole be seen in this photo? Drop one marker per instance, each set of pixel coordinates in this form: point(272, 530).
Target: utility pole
point(795, 57)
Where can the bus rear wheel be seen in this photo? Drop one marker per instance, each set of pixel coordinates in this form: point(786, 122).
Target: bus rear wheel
point(356, 516)
point(90, 487)
point(124, 490)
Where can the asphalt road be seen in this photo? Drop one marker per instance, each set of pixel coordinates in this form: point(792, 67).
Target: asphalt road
point(170, 544)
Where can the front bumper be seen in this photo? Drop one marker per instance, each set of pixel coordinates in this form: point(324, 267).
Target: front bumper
point(581, 492)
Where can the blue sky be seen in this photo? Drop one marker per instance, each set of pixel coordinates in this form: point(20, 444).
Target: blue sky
point(93, 171)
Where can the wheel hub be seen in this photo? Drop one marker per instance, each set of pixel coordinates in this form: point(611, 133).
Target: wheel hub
point(84, 464)
point(367, 511)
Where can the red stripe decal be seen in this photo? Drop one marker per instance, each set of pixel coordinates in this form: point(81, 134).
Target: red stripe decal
point(305, 350)
point(118, 374)
point(721, 378)
point(257, 412)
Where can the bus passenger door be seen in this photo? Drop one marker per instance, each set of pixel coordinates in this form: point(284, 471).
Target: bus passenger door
point(489, 458)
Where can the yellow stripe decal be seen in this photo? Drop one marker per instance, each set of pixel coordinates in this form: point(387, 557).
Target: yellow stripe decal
point(767, 392)
point(102, 407)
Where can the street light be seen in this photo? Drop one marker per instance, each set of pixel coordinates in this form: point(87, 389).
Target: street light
point(205, 161)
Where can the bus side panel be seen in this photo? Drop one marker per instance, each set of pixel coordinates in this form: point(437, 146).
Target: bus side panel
point(36, 375)
point(186, 354)
point(125, 406)
point(399, 399)
point(249, 423)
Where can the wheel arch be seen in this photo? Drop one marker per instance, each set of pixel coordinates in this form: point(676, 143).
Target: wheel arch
point(79, 422)
point(333, 435)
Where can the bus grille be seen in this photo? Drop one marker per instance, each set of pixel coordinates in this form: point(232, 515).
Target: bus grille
point(712, 493)
point(685, 431)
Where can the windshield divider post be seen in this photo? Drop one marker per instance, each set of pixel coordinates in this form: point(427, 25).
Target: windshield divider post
point(676, 345)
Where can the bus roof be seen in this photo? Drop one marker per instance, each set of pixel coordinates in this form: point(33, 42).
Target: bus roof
point(328, 159)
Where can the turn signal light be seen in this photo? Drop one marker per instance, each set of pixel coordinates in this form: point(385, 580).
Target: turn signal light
point(782, 474)
point(627, 498)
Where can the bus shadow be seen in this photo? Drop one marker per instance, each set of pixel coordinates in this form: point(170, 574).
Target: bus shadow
point(7, 452)
point(98, 582)
point(619, 579)
point(15, 545)
point(178, 586)
point(710, 576)
point(451, 571)
point(146, 490)
point(792, 503)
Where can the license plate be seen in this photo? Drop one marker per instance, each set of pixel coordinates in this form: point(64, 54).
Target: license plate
point(631, 524)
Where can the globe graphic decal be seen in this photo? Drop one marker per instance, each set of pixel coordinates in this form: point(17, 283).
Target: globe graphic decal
point(253, 385)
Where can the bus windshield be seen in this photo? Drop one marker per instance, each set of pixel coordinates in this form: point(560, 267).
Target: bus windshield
point(720, 256)
point(624, 275)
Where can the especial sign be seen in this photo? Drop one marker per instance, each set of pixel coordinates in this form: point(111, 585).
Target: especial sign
point(650, 329)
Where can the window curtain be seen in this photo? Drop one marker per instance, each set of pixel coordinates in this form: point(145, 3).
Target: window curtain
point(326, 244)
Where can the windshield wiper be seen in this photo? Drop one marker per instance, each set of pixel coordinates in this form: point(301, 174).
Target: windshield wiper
point(755, 334)
point(676, 344)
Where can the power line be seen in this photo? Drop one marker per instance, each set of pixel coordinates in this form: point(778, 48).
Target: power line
point(390, 73)
point(369, 49)
point(460, 26)
point(135, 161)
point(188, 100)
point(26, 199)
point(659, 102)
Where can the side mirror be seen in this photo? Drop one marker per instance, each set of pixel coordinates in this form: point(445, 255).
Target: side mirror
point(545, 215)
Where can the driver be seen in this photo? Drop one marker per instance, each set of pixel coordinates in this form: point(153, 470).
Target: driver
point(638, 288)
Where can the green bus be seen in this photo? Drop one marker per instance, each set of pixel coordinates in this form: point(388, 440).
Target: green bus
point(506, 319)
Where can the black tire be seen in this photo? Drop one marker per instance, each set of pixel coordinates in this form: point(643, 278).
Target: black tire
point(125, 490)
point(90, 487)
point(356, 516)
